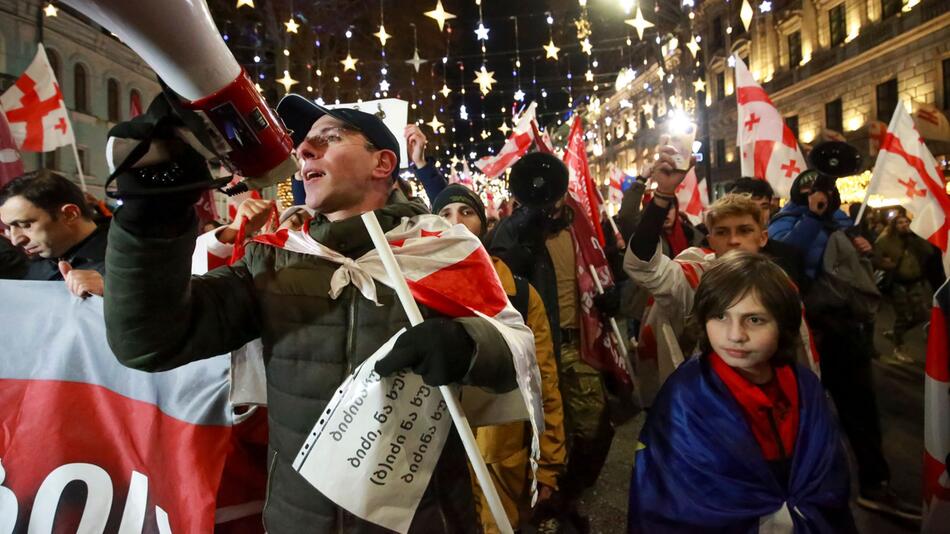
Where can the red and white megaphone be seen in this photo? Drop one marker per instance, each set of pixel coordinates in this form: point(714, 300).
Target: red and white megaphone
point(179, 40)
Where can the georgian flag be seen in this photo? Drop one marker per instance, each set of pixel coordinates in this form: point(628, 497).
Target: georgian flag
point(906, 170)
point(692, 197)
point(11, 165)
point(35, 108)
point(515, 146)
point(936, 491)
point(768, 148)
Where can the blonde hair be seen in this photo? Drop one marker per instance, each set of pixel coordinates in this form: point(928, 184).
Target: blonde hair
point(733, 205)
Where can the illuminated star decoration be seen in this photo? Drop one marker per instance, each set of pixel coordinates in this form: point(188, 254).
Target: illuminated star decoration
point(485, 79)
point(583, 28)
point(519, 95)
point(286, 81)
point(745, 14)
point(481, 32)
point(445, 91)
point(382, 35)
point(765, 6)
point(504, 129)
point(639, 23)
point(647, 108)
point(50, 10)
point(586, 46)
point(484, 134)
point(291, 25)
point(660, 72)
point(551, 50)
point(248, 3)
point(699, 85)
point(384, 86)
point(440, 15)
point(693, 46)
point(416, 61)
point(349, 63)
point(434, 123)
point(589, 75)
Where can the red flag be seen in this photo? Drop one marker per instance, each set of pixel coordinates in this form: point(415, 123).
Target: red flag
point(35, 109)
point(768, 148)
point(581, 185)
point(135, 104)
point(692, 197)
point(906, 170)
point(11, 165)
point(936, 491)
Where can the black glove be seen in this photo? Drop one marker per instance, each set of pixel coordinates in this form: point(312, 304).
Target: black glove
point(438, 349)
point(609, 302)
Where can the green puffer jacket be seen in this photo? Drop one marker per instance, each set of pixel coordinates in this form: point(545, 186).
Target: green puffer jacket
point(159, 317)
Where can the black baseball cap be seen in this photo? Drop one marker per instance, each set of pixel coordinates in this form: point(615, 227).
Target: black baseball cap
point(299, 113)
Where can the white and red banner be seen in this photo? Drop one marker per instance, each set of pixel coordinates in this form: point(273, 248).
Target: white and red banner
point(615, 193)
point(768, 148)
point(149, 448)
point(581, 184)
point(35, 108)
point(931, 122)
point(692, 197)
point(515, 146)
point(11, 165)
point(906, 170)
point(936, 491)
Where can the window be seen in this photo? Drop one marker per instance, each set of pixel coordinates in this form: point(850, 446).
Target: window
point(836, 24)
point(833, 119)
point(792, 123)
point(794, 49)
point(81, 152)
point(51, 160)
point(112, 95)
point(946, 83)
point(135, 103)
point(718, 38)
point(80, 100)
point(889, 8)
point(54, 64)
point(643, 121)
point(720, 85)
point(720, 152)
point(886, 100)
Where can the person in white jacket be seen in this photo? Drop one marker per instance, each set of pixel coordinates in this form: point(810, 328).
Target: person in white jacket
point(733, 222)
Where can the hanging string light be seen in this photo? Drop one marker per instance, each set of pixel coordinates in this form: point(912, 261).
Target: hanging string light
point(519, 94)
point(416, 61)
point(350, 62)
point(383, 37)
point(481, 33)
point(550, 49)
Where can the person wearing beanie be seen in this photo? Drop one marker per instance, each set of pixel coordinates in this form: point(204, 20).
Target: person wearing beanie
point(506, 447)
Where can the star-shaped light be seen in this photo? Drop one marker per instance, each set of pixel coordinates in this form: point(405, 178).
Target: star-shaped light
point(504, 129)
point(765, 6)
point(693, 46)
point(651, 123)
point(416, 61)
point(291, 25)
point(660, 72)
point(485, 79)
point(481, 32)
point(349, 63)
point(699, 85)
point(647, 108)
point(586, 46)
point(50, 10)
point(589, 75)
point(384, 86)
point(382, 35)
point(286, 81)
point(639, 23)
point(583, 28)
point(440, 15)
point(445, 91)
point(745, 14)
point(242, 3)
point(519, 95)
point(434, 123)
point(484, 135)
point(551, 50)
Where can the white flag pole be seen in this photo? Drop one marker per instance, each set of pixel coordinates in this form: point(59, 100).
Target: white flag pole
point(82, 179)
point(458, 416)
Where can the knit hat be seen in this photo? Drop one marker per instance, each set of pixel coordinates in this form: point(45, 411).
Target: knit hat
point(459, 193)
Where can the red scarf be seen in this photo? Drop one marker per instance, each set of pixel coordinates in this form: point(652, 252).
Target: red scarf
point(779, 396)
point(598, 347)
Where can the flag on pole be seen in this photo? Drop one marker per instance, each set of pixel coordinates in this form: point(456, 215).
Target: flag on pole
point(581, 185)
point(515, 146)
point(11, 165)
point(692, 197)
point(768, 148)
point(906, 170)
point(615, 194)
point(931, 122)
point(936, 491)
point(35, 109)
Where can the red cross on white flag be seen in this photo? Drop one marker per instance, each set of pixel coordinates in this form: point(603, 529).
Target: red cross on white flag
point(692, 197)
point(35, 109)
point(905, 170)
point(768, 148)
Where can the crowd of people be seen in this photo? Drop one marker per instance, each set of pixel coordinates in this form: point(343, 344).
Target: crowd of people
point(738, 326)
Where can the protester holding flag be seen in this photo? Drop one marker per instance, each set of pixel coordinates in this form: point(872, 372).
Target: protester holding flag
point(423, 168)
point(51, 220)
point(312, 338)
point(783, 467)
point(506, 448)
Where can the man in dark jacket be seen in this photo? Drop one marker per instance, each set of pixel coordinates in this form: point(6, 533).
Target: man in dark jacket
point(158, 317)
point(51, 221)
